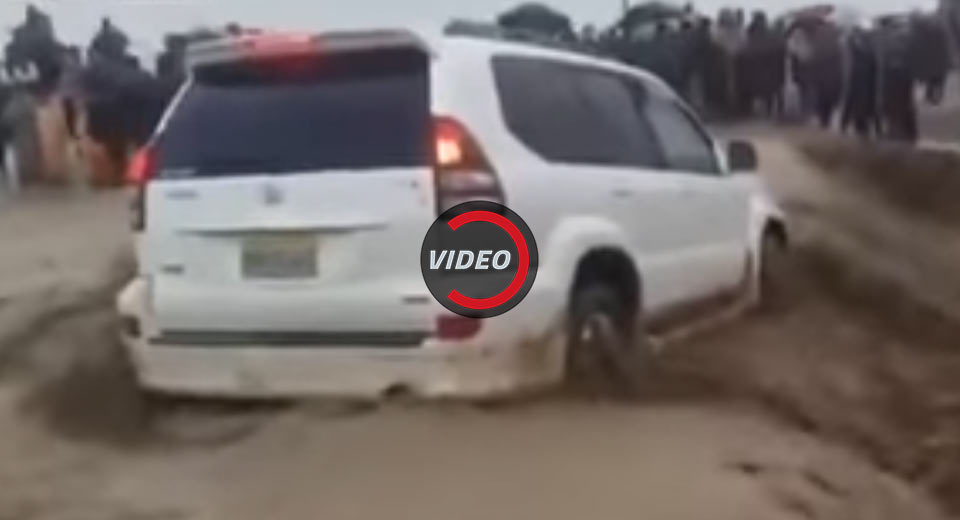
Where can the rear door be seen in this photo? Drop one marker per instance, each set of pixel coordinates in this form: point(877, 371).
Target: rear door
point(292, 194)
point(712, 210)
point(648, 200)
point(586, 162)
point(604, 160)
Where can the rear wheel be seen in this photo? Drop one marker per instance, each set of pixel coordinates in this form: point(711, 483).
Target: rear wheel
point(604, 355)
point(773, 273)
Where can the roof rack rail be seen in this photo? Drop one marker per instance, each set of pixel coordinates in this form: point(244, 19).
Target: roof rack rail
point(491, 31)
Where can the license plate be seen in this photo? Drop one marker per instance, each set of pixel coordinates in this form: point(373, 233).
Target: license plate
point(279, 256)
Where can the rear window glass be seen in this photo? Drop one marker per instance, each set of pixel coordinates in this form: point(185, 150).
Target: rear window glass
point(355, 111)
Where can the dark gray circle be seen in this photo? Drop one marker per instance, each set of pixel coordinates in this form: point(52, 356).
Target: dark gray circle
point(472, 259)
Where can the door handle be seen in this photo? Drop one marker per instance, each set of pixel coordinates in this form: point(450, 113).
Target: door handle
point(622, 193)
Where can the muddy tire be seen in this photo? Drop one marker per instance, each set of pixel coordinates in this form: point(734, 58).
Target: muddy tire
point(604, 356)
point(774, 273)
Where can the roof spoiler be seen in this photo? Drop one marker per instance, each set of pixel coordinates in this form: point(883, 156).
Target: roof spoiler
point(266, 45)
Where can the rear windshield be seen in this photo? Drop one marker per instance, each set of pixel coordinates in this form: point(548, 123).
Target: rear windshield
point(355, 111)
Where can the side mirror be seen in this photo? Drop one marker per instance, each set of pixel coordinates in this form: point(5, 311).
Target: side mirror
point(742, 157)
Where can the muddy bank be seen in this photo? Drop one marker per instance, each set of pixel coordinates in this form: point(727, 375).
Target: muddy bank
point(924, 182)
point(867, 351)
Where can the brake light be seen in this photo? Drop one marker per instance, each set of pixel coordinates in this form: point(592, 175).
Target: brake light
point(449, 151)
point(270, 46)
point(454, 328)
point(462, 172)
point(140, 171)
point(142, 166)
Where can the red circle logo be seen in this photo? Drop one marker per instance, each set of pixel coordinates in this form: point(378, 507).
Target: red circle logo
point(479, 259)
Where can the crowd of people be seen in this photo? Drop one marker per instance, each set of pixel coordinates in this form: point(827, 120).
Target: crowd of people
point(852, 77)
point(853, 74)
point(862, 79)
point(105, 88)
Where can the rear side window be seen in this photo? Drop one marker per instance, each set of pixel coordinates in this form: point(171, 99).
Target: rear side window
point(685, 144)
point(344, 112)
point(573, 114)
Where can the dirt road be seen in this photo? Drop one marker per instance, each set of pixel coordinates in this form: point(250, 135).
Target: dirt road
point(816, 410)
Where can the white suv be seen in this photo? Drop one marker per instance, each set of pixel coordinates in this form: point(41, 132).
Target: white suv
point(285, 196)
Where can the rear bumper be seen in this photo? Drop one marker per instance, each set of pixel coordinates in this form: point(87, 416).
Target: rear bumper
point(265, 372)
point(485, 367)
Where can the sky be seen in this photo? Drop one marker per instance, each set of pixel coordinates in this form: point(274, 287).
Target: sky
point(146, 21)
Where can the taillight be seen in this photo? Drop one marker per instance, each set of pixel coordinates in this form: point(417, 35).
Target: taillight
point(141, 169)
point(462, 172)
point(142, 166)
point(279, 44)
point(455, 328)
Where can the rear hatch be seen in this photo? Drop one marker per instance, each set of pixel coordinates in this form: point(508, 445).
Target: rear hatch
point(291, 196)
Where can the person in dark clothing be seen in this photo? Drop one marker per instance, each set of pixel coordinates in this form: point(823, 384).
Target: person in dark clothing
point(714, 70)
point(745, 65)
point(34, 45)
point(70, 88)
point(899, 107)
point(897, 83)
point(778, 65)
point(860, 101)
point(171, 64)
point(826, 74)
point(110, 42)
point(762, 65)
point(686, 42)
point(665, 55)
point(930, 55)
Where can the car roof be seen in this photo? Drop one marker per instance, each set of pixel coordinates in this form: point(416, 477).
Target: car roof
point(452, 45)
point(439, 44)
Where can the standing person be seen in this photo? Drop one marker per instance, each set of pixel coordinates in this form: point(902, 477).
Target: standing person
point(778, 64)
point(665, 55)
point(860, 99)
point(71, 89)
point(110, 43)
point(33, 46)
point(930, 55)
point(686, 41)
point(711, 68)
point(171, 64)
point(897, 83)
point(730, 40)
point(761, 61)
point(826, 71)
point(800, 54)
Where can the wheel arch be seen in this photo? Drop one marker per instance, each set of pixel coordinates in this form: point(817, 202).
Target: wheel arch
point(612, 266)
point(766, 216)
point(776, 227)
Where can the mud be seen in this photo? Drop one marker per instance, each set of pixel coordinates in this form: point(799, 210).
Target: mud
point(866, 351)
point(921, 181)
